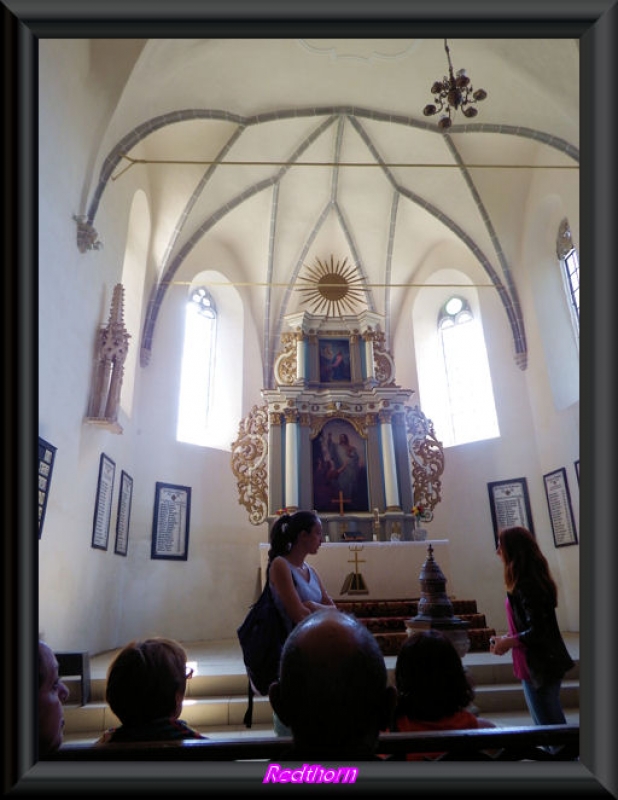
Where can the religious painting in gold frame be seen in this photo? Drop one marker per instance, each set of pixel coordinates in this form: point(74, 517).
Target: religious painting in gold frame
point(339, 469)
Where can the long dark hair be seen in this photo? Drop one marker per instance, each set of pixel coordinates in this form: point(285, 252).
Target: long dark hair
point(430, 678)
point(524, 562)
point(287, 529)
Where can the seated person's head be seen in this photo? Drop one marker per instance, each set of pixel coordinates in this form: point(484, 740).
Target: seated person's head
point(332, 691)
point(147, 680)
point(430, 678)
point(52, 694)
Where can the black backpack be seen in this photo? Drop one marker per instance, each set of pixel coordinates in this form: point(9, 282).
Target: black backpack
point(261, 636)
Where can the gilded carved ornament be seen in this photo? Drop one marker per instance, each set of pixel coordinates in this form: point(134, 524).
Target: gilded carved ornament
point(285, 363)
point(426, 458)
point(250, 463)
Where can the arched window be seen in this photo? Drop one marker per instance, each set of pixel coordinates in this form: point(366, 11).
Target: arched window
point(569, 260)
point(470, 408)
point(197, 365)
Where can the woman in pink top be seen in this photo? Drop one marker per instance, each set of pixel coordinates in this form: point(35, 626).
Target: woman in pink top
point(540, 657)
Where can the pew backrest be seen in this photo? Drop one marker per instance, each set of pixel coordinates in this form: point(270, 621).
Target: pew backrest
point(543, 743)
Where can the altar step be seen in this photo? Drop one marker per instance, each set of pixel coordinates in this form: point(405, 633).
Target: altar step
point(216, 698)
point(386, 619)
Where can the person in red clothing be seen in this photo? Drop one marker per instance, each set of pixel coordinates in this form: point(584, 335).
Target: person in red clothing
point(434, 691)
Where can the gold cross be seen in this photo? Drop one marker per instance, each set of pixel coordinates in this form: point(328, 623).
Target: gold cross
point(341, 501)
point(356, 551)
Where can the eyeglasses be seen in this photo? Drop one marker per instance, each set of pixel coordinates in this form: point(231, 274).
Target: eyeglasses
point(189, 673)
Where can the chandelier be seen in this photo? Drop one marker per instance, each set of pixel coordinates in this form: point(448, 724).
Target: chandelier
point(453, 93)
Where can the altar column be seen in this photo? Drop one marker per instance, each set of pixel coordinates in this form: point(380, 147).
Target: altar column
point(355, 362)
point(389, 465)
point(402, 456)
point(275, 489)
point(369, 365)
point(301, 371)
point(291, 458)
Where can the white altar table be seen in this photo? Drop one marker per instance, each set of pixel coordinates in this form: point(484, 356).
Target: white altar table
point(390, 570)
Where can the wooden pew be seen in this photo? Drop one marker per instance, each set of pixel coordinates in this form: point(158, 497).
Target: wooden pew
point(482, 744)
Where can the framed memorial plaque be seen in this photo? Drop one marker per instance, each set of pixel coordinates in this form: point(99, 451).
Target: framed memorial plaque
point(125, 496)
point(103, 506)
point(510, 505)
point(170, 527)
point(47, 454)
point(560, 509)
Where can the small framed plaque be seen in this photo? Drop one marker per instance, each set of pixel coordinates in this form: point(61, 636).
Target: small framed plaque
point(510, 505)
point(47, 454)
point(560, 509)
point(170, 527)
point(103, 506)
point(124, 514)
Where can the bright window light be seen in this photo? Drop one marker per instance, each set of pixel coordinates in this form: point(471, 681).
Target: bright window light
point(197, 367)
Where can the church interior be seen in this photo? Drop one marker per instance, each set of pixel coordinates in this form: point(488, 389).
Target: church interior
point(299, 197)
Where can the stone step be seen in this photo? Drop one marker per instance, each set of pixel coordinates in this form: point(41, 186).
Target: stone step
point(501, 697)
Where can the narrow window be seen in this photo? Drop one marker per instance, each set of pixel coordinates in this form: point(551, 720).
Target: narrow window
point(197, 366)
point(569, 260)
point(470, 401)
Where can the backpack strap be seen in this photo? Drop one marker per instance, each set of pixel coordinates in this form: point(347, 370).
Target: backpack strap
point(248, 718)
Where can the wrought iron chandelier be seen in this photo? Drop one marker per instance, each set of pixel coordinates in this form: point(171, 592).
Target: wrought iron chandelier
point(451, 93)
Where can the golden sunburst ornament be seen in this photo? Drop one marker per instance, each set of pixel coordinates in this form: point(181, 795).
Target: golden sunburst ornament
point(333, 288)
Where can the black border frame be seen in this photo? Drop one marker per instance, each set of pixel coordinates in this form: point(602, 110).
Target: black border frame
point(125, 480)
point(562, 471)
point(154, 553)
point(98, 502)
point(594, 23)
point(492, 504)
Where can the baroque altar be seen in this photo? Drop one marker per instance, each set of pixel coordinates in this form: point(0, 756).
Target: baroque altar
point(336, 434)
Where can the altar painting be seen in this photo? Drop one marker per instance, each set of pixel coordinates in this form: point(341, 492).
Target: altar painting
point(340, 469)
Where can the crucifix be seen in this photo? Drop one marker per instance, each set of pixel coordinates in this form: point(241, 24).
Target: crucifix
point(355, 583)
point(341, 500)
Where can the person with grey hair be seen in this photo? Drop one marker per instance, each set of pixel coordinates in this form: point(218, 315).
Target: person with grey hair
point(332, 690)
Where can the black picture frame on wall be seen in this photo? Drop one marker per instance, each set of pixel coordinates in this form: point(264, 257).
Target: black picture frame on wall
point(103, 503)
point(560, 508)
point(123, 517)
point(170, 524)
point(47, 455)
point(509, 502)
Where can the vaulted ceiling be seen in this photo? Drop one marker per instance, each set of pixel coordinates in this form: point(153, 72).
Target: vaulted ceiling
point(265, 159)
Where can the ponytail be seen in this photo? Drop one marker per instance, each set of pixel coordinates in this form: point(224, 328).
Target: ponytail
point(286, 530)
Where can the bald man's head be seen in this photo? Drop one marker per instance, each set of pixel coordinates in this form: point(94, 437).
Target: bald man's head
point(332, 690)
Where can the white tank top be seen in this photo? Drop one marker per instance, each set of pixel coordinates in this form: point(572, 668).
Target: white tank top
point(307, 590)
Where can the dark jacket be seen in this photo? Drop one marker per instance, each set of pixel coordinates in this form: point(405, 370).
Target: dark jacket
point(535, 620)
